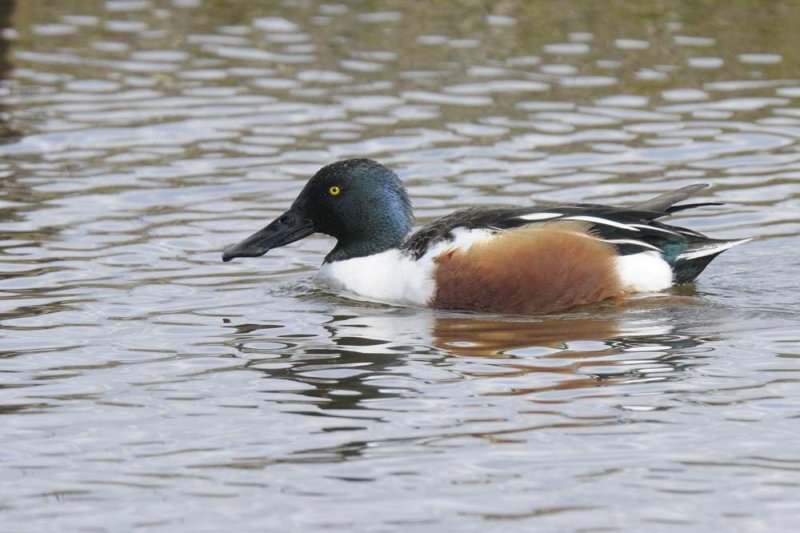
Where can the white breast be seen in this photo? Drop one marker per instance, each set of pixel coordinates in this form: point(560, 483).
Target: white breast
point(392, 276)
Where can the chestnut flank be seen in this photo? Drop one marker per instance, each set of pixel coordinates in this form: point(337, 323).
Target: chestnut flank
point(527, 271)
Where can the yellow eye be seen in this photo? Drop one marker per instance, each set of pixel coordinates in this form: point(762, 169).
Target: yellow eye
point(334, 191)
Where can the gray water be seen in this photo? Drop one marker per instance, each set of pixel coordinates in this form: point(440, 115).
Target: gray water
point(145, 385)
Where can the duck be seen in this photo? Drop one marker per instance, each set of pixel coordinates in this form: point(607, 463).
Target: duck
point(519, 260)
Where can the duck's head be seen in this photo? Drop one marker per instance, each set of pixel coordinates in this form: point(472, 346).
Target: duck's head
point(358, 201)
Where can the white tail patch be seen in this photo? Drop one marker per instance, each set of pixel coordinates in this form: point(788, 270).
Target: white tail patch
point(710, 249)
point(540, 216)
point(644, 272)
point(603, 222)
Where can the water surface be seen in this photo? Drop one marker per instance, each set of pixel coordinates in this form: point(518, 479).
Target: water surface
point(147, 385)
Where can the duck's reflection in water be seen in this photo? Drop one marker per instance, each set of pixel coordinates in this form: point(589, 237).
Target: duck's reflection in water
point(383, 353)
point(380, 368)
point(585, 350)
point(480, 337)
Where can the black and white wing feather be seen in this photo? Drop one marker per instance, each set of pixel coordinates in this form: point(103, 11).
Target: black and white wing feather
point(630, 229)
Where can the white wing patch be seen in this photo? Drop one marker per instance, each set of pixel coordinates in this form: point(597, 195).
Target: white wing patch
point(633, 242)
point(533, 217)
point(654, 228)
point(602, 222)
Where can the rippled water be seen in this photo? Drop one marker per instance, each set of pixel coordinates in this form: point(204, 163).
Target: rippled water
point(147, 385)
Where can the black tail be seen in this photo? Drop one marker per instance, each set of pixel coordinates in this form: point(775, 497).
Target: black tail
point(701, 250)
point(664, 202)
point(692, 261)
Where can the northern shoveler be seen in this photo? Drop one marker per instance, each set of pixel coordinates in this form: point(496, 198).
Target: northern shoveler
point(513, 260)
